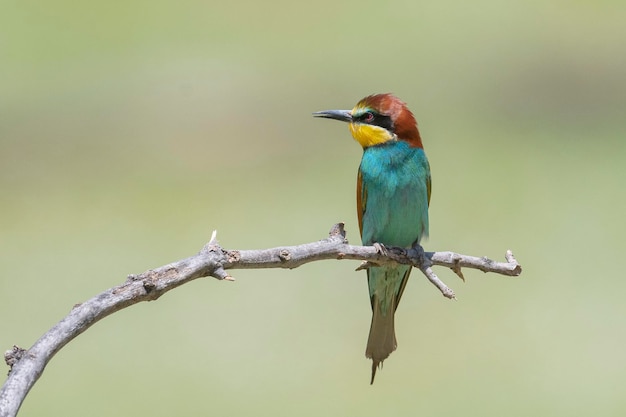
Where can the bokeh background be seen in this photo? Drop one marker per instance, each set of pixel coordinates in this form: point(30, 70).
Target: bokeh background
point(130, 130)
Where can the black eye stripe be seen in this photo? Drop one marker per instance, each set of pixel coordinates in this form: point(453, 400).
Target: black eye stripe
point(376, 119)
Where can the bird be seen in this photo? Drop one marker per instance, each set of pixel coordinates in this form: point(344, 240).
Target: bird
point(393, 196)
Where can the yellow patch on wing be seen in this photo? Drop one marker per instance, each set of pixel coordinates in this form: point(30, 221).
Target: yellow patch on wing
point(370, 135)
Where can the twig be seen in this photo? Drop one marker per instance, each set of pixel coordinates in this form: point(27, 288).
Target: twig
point(28, 365)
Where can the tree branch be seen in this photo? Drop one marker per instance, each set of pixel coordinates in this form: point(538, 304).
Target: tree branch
point(28, 365)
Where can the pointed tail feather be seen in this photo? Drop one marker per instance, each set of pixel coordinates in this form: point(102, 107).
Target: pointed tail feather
point(382, 338)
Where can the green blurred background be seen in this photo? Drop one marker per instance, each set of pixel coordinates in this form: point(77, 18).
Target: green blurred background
point(130, 130)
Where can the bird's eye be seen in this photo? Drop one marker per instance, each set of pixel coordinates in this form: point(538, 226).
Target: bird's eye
point(368, 116)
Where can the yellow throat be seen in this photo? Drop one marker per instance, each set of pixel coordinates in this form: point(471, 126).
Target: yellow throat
point(370, 135)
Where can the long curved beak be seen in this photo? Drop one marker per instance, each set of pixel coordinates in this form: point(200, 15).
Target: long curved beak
point(343, 115)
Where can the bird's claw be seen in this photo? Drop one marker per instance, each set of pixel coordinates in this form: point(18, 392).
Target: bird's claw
point(380, 248)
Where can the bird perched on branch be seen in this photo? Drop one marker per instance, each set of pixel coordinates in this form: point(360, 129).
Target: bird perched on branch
point(393, 194)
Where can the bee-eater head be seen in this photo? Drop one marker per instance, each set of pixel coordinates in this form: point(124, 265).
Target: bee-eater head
point(377, 119)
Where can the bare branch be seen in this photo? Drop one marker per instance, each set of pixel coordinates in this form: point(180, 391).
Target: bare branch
point(28, 365)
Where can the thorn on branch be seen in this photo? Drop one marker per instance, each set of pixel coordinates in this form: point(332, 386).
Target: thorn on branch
point(212, 245)
point(218, 255)
point(213, 240)
point(365, 265)
point(221, 274)
point(457, 267)
point(338, 230)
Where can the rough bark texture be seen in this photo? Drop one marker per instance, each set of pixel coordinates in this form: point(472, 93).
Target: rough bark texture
point(28, 365)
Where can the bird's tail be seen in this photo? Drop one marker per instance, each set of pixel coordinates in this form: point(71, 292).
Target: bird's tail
point(382, 339)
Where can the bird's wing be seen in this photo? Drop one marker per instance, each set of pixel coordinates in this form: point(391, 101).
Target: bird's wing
point(428, 182)
point(361, 200)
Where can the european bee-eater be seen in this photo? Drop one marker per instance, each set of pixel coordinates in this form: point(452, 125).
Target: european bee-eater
point(393, 194)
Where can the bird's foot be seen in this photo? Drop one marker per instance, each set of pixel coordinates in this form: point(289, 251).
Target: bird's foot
point(417, 252)
point(380, 248)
